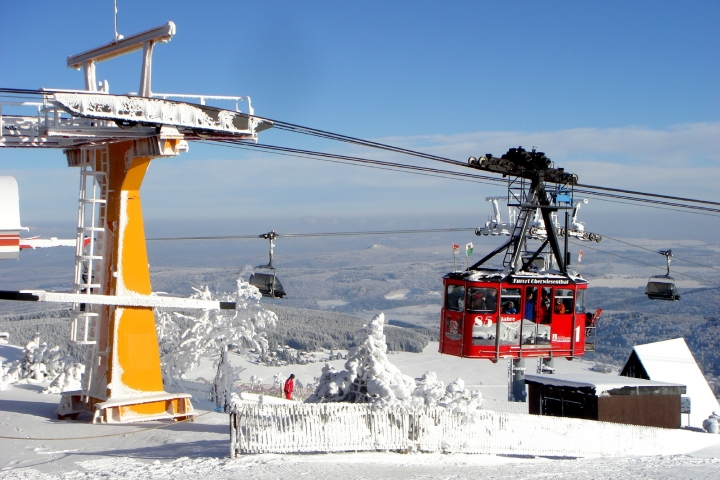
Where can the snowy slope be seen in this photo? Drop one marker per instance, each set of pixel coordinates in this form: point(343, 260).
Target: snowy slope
point(190, 449)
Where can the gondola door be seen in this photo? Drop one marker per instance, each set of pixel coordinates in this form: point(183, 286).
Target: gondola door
point(481, 321)
point(535, 327)
point(452, 319)
point(563, 316)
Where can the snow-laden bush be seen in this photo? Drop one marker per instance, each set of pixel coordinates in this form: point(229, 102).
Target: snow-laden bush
point(68, 380)
point(712, 423)
point(369, 377)
point(40, 364)
point(186, 339)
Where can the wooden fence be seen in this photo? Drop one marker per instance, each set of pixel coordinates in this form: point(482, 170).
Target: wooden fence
point(295, 428)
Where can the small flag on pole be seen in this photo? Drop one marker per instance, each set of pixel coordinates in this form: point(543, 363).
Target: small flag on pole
point(468, 249)
point(456, 248)
point(580, 256)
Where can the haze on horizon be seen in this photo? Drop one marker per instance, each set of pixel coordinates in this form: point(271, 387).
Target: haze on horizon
point(622, 94)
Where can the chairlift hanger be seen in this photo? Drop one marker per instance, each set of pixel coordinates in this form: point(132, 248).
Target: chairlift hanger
point(268, 283)
point(662, 287)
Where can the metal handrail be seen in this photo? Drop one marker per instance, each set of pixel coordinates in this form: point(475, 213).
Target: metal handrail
point(202, 99)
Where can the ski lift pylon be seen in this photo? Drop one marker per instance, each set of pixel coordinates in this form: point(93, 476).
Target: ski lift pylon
point(662, 287)
point(267, 282)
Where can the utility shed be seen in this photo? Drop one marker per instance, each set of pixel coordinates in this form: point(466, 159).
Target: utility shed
point(607, 398)
point(672, 361)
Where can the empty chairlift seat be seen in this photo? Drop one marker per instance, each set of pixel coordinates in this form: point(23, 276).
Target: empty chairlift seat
point(662, 287)
point(268, 284)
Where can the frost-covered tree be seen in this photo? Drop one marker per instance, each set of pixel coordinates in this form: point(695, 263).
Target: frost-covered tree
point(369, 377)
point(40, 364)
point(186, 339)
point(68, 380)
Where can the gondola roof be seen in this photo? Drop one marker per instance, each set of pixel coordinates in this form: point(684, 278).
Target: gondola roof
point(551, 277)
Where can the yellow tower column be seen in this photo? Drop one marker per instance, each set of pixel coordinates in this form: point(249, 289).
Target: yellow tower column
point(134, 378)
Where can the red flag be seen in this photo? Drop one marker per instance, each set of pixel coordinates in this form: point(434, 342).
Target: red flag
point(456, 249)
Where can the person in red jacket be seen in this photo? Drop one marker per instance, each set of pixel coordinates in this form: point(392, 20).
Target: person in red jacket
point(289, 385)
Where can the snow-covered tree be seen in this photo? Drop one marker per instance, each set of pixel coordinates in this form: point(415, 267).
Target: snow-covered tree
point(68, 380)
point(186, 339)
point(369, 377)
point(40, 364)
point(255, 380)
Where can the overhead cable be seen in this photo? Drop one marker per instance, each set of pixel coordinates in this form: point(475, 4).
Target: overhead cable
point(675, 257)
point(483, 178)
point(632, 259)
point(368, 143)
point(325, 234)
point(287, 126)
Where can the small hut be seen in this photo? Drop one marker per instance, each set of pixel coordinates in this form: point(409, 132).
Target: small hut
point(672, 361)
point(608, 398)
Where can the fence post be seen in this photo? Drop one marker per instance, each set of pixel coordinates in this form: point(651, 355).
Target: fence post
point(233, 435)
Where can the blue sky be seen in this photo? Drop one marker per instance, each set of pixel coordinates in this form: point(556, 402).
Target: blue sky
point(623, 93)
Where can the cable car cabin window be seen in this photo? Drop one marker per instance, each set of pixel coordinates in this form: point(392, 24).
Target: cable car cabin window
point(545, 308)
point(510, 301)
point(530, 303)
point(563, 301)
point(580, 304)
point(660, 288)
point(455, 298)
point(482, 300)
point(534, 314)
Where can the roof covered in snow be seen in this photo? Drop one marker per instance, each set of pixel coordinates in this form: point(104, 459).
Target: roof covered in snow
point(604, 384)
point(672, 361)
point(545, 276)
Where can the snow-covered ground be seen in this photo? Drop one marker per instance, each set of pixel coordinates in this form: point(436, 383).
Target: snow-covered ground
point(185, 450)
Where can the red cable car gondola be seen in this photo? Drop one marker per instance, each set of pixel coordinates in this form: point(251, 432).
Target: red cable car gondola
point(520, 310)
point(530, 314)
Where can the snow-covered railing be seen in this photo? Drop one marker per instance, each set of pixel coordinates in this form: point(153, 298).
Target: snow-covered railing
point(203, 99)
point(354, 427)
point(201, 392)
point(504, 406)
point(299, 393)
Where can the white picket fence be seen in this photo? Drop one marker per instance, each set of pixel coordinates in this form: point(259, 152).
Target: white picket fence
point(204, 392)
point(505, 406)
point(295, 428)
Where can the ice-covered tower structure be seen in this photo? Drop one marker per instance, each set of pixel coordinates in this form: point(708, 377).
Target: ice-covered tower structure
point(112, 139)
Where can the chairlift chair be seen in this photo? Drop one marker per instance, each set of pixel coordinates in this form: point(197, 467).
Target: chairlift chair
point(662, 287)
point(267, 282)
